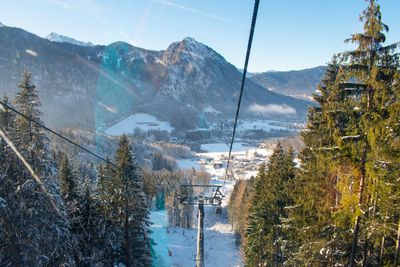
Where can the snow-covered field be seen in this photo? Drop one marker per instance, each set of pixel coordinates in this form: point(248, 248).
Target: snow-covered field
point(219, 246)
point(146, 122)
point(143, 121)
point(222, 147)
point(265, 125)
point(187, 164)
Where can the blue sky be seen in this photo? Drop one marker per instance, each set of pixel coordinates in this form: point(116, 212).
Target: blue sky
point(290, 34)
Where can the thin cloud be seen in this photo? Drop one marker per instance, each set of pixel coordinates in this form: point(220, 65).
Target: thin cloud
point(84, 7)
point(273, 109)
point(62, 4)
point(194, 11)
point(87, 10)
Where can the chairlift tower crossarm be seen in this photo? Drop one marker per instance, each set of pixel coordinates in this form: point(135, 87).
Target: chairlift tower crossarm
point(213, 198)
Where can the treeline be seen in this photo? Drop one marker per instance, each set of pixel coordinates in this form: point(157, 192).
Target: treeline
point(341, 207)
point(58, 212)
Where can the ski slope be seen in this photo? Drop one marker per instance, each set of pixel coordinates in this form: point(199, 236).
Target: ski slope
point(219, 243)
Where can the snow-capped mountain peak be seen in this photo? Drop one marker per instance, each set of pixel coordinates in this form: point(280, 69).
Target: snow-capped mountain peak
point(54, 37)
point(2, 25)
point(189, 48)
point(190, 44)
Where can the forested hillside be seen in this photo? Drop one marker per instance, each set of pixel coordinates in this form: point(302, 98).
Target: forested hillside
point(60, 207)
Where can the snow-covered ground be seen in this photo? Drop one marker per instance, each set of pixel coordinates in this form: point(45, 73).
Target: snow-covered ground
point(187, 164)
point(219, 246)
point(143, 121)
point(265, 125)
point(222, 147)
point(219, 243)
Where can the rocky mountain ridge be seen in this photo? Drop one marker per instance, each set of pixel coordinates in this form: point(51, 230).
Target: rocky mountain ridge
point(84, 86)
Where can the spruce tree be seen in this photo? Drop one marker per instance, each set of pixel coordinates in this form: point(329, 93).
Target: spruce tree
point(264, 233)
point(125, 206)
point(31, 139)
point(346, 187)
point(88, 229)
point(7, 117)
point(309, 222)
point(110, 212)
point(35, 211)
point(67, 180)
point(370, 72)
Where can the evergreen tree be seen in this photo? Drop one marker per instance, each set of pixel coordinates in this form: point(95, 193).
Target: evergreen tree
point(186, 214)
point(270, 197)
point(68, 183)
point(370, 78)
point(7, 117)
point(174, 212)
point(110, 212)
point(238, 208)
point(341, 214)
point(35, 217)
point(309, 222)
point(31, 139)
point(88, 230)
point(125, 207)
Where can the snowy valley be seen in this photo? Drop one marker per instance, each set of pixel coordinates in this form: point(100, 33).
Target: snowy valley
point(176, 246)
point(171, 155)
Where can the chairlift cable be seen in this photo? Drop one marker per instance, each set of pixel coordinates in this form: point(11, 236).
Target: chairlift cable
point(252, 27)
point(57, 134)
point(255, 11)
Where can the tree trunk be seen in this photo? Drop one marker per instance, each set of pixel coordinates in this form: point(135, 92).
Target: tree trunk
point(127, 240)
point(354, 243)
point(396, 258)
point(381, 251)
point(357, 223)
point(366, 251)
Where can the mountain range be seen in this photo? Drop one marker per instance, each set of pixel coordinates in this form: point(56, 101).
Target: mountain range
point(297, 83)
point(93, 86)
